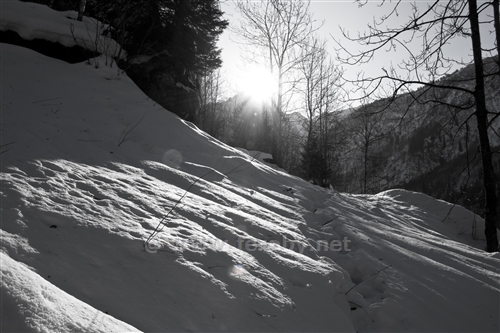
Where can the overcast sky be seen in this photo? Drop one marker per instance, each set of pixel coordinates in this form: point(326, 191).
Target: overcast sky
point(333, 15)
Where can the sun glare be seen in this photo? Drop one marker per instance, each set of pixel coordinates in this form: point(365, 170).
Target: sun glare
point(259, 84)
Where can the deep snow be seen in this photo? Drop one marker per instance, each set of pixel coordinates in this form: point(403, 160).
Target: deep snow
point(91, 168)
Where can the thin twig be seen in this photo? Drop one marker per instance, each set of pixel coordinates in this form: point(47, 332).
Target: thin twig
point(265, 315)
point(162, 224)
point(127, 133)
point(359, 306)
point(366, 279)
point(46, 100)
point(7, 144)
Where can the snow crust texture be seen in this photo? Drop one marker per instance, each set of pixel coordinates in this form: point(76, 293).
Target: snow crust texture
point(92, 169)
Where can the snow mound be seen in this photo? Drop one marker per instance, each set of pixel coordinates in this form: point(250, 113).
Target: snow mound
point(35, 21)
point(454, 219)
point(32, 304)
point(264, 158)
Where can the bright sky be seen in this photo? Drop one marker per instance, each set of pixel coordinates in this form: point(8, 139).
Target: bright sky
point(334, 14)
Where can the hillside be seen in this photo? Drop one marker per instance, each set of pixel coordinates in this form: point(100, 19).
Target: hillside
point(424, 145)
point(118, 216)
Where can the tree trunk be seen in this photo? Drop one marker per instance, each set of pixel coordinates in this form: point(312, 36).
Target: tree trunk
point(81, 9)
point(490, 208)
point(365, 166)
point(496, 19)
point(279, 109)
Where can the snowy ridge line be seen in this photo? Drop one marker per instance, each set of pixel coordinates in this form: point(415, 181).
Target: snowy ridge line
point(147, 245)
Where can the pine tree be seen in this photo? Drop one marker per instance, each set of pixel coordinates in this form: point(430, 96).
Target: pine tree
point(186, 30)
point(314, 163)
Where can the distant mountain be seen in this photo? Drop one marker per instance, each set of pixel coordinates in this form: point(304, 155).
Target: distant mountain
point(424, 144)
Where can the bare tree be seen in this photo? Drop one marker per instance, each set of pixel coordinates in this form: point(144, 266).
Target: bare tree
point(433, 26)
point(366, 129)
point(210, 117)
point(319, 96)
point(496, 22)
point(311, 89)
point(275, 30)
point(81, 9)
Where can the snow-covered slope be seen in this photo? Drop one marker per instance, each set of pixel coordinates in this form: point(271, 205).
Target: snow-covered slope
point(35, 21)
point(91, 169)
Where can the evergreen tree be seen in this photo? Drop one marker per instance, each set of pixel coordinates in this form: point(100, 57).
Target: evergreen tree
point(168, 42)
point(196, 26)
point(314, 163)
point(186, 30)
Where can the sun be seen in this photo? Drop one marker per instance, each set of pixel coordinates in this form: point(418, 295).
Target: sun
point(259, 84)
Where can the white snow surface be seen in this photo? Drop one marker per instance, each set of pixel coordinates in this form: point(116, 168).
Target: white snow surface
point(262, 157)
point(91, 168)
point(36, 21)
